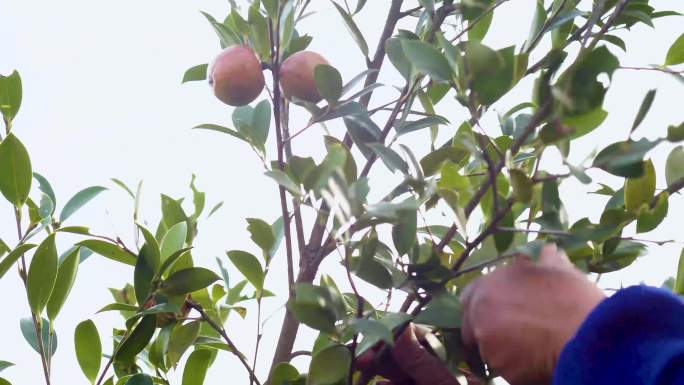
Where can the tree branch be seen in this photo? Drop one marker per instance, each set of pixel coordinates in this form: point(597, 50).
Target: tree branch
point(222, 332)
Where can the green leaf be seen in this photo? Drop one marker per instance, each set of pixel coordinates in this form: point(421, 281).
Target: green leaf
point(317, 307)
point(262, 234)
point(174, 240)
point(674, 168)
point(350, 169)
point(363, 131)
point(329, 365)
point(249, 266)
point(42, 274)
point(675, 133)
point(427, 60)
point(15, 171)
point(390, 158)
point(182, 337)
point(188, 280)
point(521, 185)
point(284, 180)
point(225, 130)
point(142, 276)
point(77, 201)
point(585, 123)
point(10, 95)
point(675, 55)
point(28, 330)
point(66, 275)
point(13, 256)
point(139, 379)
point(649, 218)
point(639, 191)
point(137, 340)
point(444, 311)
point(504, 239)
point(373, 331)
point(196, 73)
point(353, 29)
point(679, 283)
point(121, 184)
point(479, 31)
point(283, 374)
point(118, 307)
point(404, 232)
point(261, 122)
point(395, 52)
point(643, 110)
point(171, 260)
point(5, 382)
point(4, 365)
point(45, 187)
point(328, 82)
point(88, 349)
point(109, 250)
point(197, 365)
point(429, 121)
point(624, 158)
point(152, 252)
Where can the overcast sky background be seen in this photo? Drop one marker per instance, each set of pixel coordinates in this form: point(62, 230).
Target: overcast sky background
point(102, 99)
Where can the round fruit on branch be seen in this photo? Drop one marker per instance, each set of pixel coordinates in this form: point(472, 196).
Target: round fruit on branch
point(297, 76)
point(236, 76)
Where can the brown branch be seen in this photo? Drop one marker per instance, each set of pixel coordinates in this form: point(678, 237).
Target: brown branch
point(222, 332)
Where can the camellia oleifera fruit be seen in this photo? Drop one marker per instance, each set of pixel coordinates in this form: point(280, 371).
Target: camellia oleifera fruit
point(236, 76)
point(297, 76)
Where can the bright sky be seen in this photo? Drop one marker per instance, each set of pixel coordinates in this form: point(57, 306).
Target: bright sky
point(102, 99)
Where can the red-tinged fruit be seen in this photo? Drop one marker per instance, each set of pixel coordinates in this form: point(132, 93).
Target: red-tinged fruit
point(236, 76)
point(297, 76)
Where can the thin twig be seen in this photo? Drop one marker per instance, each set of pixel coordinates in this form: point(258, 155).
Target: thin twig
point(222, 332)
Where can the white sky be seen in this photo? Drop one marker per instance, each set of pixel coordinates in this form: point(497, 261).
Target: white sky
point(102, 98)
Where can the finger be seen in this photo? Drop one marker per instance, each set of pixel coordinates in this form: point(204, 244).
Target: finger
point(421, 365)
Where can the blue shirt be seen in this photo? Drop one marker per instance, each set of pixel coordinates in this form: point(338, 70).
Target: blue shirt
point(635, 337)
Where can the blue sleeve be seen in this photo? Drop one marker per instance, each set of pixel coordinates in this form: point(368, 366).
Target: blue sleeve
point(635, 337)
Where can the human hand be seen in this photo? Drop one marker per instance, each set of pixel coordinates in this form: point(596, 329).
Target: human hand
point(521, 316)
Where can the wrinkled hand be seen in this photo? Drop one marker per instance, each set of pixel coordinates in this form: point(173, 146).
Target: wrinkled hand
point(521, 316)
point(409, 363)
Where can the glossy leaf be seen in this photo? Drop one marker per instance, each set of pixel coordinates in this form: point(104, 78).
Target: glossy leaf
point(624, 158)
point(182, 337)
point(137, 340)
point(404, 232)
point(45, 187)
point(152, 252)
point(427, 60)
point(674, 168)
point(639, 191)
point(353, 29)
point(390, 158)
point(444, 311)
point(188, 280)
point(197, 365)
point(79, 200)
point(66, 275)
point(643, 110)
point(521, 185)
point(328, 82)
point(15, 171)
point(261, 234)
point(88, 349)
point(13, 256)
point(173, 240)
point(42, 274)
point(10, 95)
point(28, 330)
point(283, 373)
point(196, 73)
point(675, 55)
point(5, 364)
point(679, 284)
point(139, 379)
point(109, 250)
point(329, 365)
point(249, 266)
